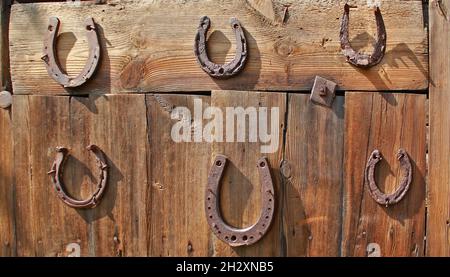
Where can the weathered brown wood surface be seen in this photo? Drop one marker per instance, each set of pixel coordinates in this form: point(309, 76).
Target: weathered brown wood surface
point(241, 189)
point(45, 225)
point(438, 223)
point(178, 175)
point(7, 239)
point(7, 236)
point(386, 122)
point(313, 178)
point(148, 46)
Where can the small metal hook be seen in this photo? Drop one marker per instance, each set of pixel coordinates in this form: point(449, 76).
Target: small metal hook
point(216, 70)
point(51, 61)
point(56, 174)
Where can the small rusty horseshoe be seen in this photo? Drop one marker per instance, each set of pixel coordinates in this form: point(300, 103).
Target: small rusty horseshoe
point(216, 70)
point(405, 182)
point(356, 58)
point(228, 234)
point(50, 57)
point(56, 174)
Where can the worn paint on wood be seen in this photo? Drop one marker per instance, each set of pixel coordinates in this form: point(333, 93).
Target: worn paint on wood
point(144, 49)
point(313, 177)
point(438, 222)
point(240, 198)
point(385, 122)
point(178, 175)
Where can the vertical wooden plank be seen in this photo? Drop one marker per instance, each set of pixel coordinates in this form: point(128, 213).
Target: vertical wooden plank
point(240, 194)
point(7, 238)
point(45, 225)
point(7, 233)
point(438, 222)
point(177, 180)
point(119, 127)
point(313, 181)
point(385, 122)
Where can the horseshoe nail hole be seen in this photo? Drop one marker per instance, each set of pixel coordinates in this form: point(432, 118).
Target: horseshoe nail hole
point(269, 209)
point(264, 225)
point(209, 198)
point(221, 70)
point(89, 27)
point(262, 164)
point(251, 237)
point(218, 163)
point(209, 208)
point(270, 199)
point(233, 238)
point(226, 237)
point(219, 232)
point(267, 217)
point(244, 238)
point(236, 26)
point(210, 216)
point(50, 28)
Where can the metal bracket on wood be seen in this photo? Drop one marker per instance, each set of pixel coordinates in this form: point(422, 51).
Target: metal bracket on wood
point(399, 194)
point(51, 61)
point(217, 70)
point(356, 58)
point(56, 174)
point(228, 234)
point(323, 92)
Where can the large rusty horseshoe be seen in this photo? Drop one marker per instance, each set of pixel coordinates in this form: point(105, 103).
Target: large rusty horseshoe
point(228, 234)
point(356, 58)
point(56, 174)
point(51, 61)
point(405, 182)
point(216, 70)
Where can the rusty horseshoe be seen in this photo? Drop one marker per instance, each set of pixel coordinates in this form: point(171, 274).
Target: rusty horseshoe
point(56, 174)
point(216, 70)
point(374, 191)
point(228, 234)
point(51, 61)
point(356, 58)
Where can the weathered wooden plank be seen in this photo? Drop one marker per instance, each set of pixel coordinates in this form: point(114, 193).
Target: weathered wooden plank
point(148, 46)
point(385, 122)
point(45, 226)
point(177, 181)
point(240, 194)
point(7, 233)
point(438, 222)
point(313, 178)
point(117, 226)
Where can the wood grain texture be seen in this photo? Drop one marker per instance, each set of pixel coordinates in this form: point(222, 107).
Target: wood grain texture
point(46, 224)
point(240, 198)
point(178, 174)
point(148, 46)
point(7, 228)
point(313, 177)
point(385, 122)
point(438, 222)
point(7, 222)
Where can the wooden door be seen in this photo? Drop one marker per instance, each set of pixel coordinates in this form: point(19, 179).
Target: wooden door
point(154, 204)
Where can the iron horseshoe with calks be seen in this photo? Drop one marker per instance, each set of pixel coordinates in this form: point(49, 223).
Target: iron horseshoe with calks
point(356, 58)
point(228, 234)
point(405, 182)
point(51, 61)
point(56, 174)
point(220, 70)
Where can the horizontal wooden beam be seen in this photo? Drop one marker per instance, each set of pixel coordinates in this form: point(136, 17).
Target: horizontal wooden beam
point(148, 45)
